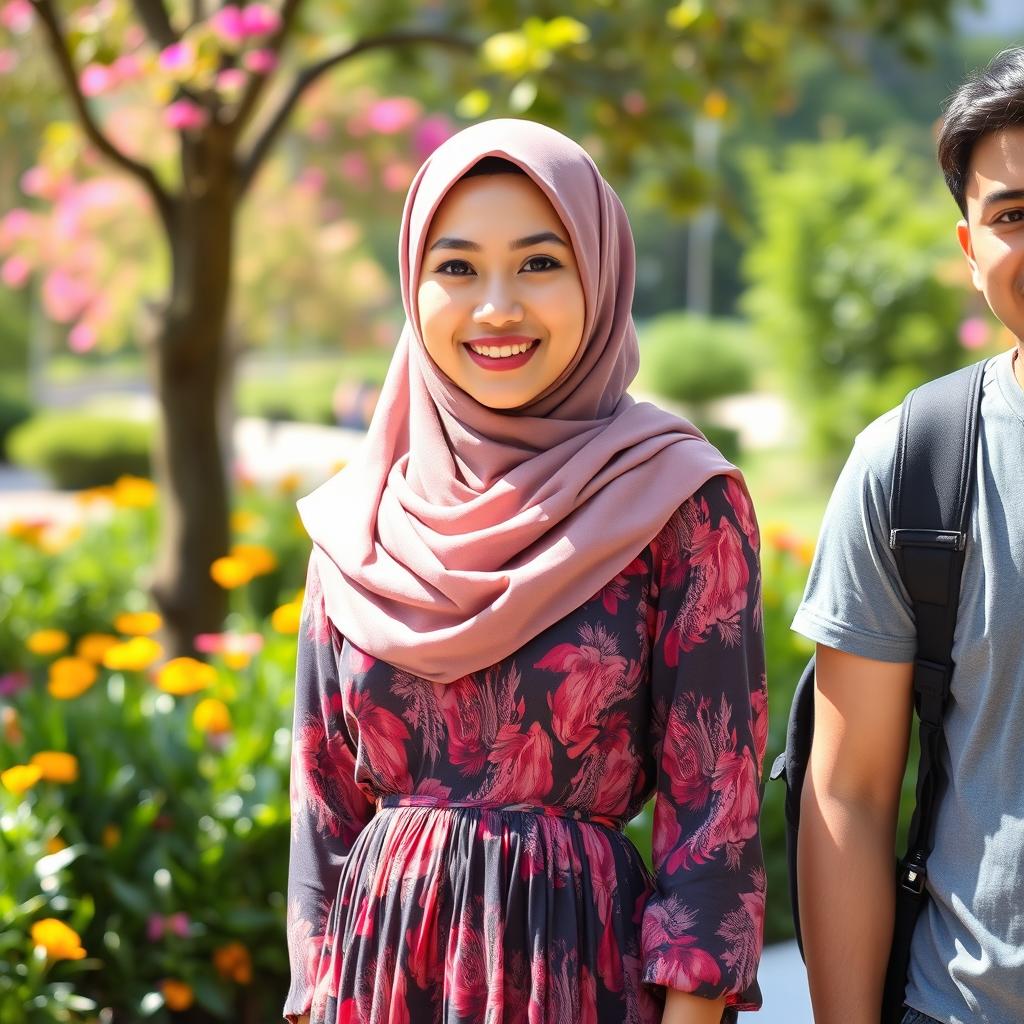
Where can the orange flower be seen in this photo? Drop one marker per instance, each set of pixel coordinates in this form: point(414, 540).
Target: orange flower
point(56, 766)
point(11, 725)
point(289, 482)
point(134, 492)
point(177, 994)
point(286, 618)
point(233, 963)
point(111, 836)
point(93, 646)
point(212, 715)
point(55, 845)
point(258, 557)
point(20, 778)
point(230, 573)
point(716, 105)
point(133, 655)
point(93, 494)
point(137, 623)
point(182, 676)
point(27, 530)
point(70, 678)
point(59, 941)
point(47, 641)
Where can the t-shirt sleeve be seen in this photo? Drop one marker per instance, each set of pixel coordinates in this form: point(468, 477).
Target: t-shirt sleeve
point(855, 600)
point(702, 926)
point(328, 810)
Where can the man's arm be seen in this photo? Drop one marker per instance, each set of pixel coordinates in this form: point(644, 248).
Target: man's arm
point(848, 814)
point(683, 1008)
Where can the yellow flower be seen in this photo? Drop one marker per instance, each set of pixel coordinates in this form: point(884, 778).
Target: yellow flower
point(237, 659)
point(55, 845)
point(134, 492)
point(289, 482)
point(233, 963)
point(137, 623)
point(805, 552)
point(177, 994)
point(70, 677)
point(286, 618)
point(111, 836)
point(59, 941)
point(56, 766)
point(230, 573)
point(182, 676)
point(244, 521)
point(21, 777)
point(24, 529)
point(133, 655)
point(211, 715)
point(93, 494)
point(93, 646)
point(258, 557)
point(47, 641)
point(716, 105)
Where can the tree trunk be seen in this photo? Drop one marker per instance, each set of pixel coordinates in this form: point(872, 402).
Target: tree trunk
point(191, 371)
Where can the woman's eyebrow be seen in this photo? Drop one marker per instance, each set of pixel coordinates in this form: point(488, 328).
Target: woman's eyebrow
point(520, 243)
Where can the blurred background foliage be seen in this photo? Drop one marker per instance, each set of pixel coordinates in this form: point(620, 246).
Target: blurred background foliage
point(797, 273)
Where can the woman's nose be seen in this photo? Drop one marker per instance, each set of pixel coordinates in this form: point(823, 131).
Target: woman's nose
point(498, 305)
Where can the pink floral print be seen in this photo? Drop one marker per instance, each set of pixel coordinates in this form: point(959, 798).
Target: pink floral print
point(457, 851)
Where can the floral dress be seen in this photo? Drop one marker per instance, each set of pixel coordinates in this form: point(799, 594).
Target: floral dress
point(457, 851)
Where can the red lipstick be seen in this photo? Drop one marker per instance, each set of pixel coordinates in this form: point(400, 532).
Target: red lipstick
point(502, 362)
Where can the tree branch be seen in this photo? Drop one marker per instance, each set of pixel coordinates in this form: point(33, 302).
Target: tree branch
point(308, 75)
point(157, 22)
point(58, 46)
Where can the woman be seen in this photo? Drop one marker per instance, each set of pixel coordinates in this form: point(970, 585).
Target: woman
point(532, 603)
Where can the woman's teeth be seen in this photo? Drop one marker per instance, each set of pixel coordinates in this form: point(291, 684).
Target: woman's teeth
point(501, 351)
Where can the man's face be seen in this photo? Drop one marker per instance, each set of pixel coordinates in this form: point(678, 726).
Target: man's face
point(992, 236)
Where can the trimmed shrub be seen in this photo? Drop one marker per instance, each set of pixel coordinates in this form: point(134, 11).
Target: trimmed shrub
point(79, 450)
point(15, 409)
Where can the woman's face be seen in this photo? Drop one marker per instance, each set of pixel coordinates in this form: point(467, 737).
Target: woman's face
point(500, 299)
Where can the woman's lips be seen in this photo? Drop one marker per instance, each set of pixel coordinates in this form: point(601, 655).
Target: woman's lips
point(509, 362)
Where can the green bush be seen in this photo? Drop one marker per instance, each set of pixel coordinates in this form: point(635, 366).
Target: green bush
point(846, 289)
point(15, 409)
point(695, 359)
point(82, 450)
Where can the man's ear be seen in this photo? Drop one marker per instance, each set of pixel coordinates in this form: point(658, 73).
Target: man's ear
point(963, 235)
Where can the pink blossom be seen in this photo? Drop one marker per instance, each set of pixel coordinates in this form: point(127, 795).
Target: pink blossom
point(179, 924)
point(184, 115)
point(16, 16)
point(430, 133)
point(12, 682)
point(392, 115)
point(16, 223)
point(97, 79)
point(260, 62)
point(15, 271)
point(8, 60)
point(397, 175)
point(134, 37)
point(229, 25)
point(82, 337)
point(634, 102)
point(127, 67)
point(231, 643)
point(320, 129)
point(232, 80)
point(155, 927)
point(64, 297)
point(974, 333)
point(260, 19)
point(355, 168)
point(40, 182)
point(176, 58)
point(313, 179)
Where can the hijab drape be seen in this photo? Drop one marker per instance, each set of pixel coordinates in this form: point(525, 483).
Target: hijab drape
point(460, 532)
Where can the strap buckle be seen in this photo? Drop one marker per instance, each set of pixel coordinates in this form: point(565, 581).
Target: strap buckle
point(914, 874)
point(947, 540)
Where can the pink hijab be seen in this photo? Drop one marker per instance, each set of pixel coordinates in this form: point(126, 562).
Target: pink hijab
point(461, 532)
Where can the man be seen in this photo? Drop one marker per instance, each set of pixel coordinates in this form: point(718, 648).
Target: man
point(967, 957)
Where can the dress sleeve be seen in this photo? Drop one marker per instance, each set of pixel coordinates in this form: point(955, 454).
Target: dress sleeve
point(328, 810)
point(703, 924)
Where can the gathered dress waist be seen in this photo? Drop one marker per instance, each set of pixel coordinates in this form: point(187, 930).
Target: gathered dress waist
point(544, 810)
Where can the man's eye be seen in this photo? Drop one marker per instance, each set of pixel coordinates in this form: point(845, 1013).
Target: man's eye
point(455, 268)
point(538, 263)
point(1010, 217)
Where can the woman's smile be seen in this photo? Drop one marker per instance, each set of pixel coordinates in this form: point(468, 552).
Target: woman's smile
point(507, 352)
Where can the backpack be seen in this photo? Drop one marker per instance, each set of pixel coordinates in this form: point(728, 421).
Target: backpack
point(932, 482)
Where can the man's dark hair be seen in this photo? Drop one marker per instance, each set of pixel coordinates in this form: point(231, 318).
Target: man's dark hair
point(493, 165)
point(989, 101)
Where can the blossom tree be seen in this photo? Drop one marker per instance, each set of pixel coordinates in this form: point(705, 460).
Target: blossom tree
point(216, 85)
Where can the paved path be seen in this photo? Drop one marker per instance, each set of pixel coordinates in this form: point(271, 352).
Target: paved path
point(784, 987)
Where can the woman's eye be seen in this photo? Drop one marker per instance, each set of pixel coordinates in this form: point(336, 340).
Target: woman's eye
point(1010, 217)
point(455, 268)
point(538, 263)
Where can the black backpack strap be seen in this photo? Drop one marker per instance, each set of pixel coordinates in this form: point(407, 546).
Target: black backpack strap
point(934, 472)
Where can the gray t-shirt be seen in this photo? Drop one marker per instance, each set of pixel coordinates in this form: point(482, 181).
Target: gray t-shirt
point(967, 959)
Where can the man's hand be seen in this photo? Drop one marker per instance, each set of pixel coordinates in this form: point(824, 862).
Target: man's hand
point(683, 1008)
point(846, 849)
